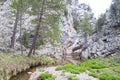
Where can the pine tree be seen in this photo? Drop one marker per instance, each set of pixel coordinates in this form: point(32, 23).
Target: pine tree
point(85, 25)
point(114, 10)
point(15, 5)
point(100, 22)
point(48, 12)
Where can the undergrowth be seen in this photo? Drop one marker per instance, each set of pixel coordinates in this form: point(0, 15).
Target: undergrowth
point(47, 76)
point(12, 64)
point(72, 77)
point(102, 68)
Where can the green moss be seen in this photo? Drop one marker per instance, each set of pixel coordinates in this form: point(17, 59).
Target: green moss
point(47, 76)
point(72, 77)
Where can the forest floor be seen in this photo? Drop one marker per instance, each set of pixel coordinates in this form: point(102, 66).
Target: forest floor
point(93, 69)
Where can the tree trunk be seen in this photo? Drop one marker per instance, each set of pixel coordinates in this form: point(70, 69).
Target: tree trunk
point(15, 29)
point(21, 26)
point(33, 46)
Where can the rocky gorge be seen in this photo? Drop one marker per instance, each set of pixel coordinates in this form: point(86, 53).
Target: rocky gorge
point(80, 39)
point(98, 44)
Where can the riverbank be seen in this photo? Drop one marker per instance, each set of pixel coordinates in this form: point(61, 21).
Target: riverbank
point(11, 64)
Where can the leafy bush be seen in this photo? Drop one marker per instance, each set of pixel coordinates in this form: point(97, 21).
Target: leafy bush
point(102, 68)
point(107, 76)
point(72, 77)
point(47, 76)
point(104, 76)
point(76, 69)
point(93, 64)
point(72, 68)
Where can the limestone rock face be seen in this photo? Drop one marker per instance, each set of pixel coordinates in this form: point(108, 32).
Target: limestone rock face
point(70, 38)
point(73, 43)
point(108, 43)
point(99, 44)
point(7, 20)
point(5, 25)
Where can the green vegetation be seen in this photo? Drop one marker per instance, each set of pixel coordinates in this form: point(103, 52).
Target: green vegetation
point(72, 77)
point(112, 70)
point(71, 68)
point(100, 22)
point(12, 64)
point(102, 68)
point(25, 39)
point(82, 67)
point(114, 10)
point(47, 76)
point(85, 25)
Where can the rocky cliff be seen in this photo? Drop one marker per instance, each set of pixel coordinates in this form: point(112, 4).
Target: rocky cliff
point(73, 43)
point(103, 43)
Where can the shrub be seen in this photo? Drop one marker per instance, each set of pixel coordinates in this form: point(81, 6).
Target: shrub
point(72, 77)
point(106, 76)
point(75, 69)
point(93, 64)
point(47, 76)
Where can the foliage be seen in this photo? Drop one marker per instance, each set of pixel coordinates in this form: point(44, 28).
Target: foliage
point(82, 67)
point(25, 39)
point(85, 24)
point(12, 64)
point(115, 10)
point(100, 22)
point(18, 4)
point(112, 70)
point(39, 42)
point(53, 31)
point(71, 68)
point(50, 22)
point(104, 76)
point(102, 68)
point(47, 76)
point(93, 64)
point(72, 77)
point(49, 25)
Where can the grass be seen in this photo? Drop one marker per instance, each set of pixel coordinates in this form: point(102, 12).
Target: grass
point(72, 77)
point(112, 70)
point(12, 64)
point(82, 67)
point(47, 76)
point(102, 68)
point(71, 68)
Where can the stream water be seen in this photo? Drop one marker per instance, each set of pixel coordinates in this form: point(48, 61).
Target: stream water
point(23, 75)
